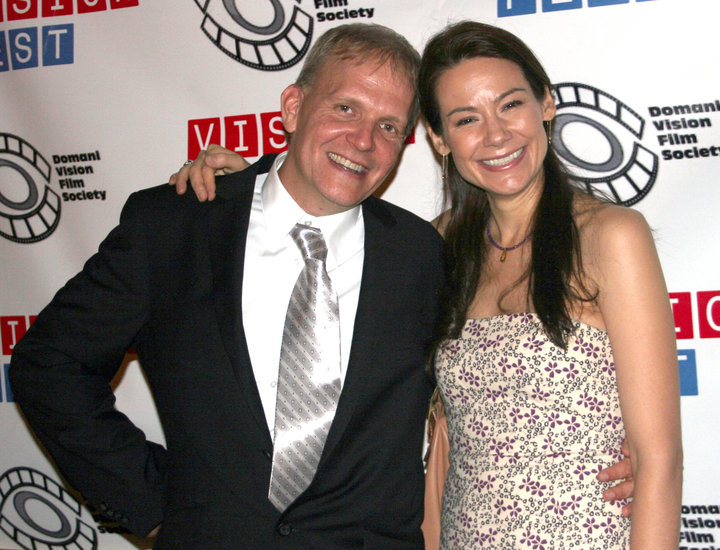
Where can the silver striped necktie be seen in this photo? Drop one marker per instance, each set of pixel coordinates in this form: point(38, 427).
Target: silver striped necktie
point(309, 377)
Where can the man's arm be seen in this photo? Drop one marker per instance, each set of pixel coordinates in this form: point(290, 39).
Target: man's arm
point(60, 374)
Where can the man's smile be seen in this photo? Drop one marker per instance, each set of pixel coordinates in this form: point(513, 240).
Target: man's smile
point(347, 163)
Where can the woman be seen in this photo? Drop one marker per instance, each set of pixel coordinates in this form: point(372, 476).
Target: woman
point(558, 329)
point(558, 338)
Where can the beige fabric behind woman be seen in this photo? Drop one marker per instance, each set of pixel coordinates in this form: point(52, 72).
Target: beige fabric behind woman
point(437, 467)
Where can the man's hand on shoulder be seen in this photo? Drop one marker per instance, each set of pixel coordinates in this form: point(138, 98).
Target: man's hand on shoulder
point(215, 161)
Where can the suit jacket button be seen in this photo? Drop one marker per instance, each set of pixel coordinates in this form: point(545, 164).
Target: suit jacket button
point(268, 454)
point(284, 529)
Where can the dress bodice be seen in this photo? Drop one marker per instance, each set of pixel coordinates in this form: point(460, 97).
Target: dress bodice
point(530, 424)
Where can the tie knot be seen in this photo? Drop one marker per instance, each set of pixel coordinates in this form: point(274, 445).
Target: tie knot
point(310, 241)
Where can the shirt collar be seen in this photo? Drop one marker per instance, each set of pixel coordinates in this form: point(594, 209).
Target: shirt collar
point(343, 232)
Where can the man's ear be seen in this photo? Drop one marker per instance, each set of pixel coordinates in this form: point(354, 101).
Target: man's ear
point(290, 102)
point(437, 141)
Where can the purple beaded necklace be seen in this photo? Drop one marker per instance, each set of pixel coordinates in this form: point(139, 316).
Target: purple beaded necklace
point(504, 249)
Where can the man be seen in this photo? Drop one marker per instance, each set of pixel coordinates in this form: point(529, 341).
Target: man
point(201, 291)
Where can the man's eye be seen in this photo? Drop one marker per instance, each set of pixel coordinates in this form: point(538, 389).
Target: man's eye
point(389, 128)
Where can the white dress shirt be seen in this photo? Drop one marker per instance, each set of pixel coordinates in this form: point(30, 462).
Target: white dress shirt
point(272, 265)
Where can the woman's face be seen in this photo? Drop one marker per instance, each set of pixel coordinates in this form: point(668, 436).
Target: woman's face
point(493, 125)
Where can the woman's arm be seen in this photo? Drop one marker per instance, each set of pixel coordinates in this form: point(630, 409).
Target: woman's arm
point(634, 304)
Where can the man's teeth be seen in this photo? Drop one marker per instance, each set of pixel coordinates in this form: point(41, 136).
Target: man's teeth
point(342, 161)
point(504, 160)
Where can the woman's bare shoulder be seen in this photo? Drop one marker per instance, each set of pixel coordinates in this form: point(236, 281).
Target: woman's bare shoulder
point(599, 222)
point(441, 222)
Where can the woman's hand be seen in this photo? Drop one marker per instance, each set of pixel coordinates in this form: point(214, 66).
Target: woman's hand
point(215, 161)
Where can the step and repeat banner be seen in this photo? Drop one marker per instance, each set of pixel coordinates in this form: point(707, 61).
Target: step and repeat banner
point(99, 98)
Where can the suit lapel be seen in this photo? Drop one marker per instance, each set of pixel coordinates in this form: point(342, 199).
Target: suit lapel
point(378, 265)
point(227, 231)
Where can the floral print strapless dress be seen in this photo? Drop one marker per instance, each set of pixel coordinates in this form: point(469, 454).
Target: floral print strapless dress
point(530, 426)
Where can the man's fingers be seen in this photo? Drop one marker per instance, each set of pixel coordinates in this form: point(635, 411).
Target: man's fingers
point(616, 472)
point(621, 491)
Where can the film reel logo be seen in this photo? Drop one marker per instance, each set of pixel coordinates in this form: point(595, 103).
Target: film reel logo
point(598, 137)
point(36, 512)
point(29, 209)
point(259, 34)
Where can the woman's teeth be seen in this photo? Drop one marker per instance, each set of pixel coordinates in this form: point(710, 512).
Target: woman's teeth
point(505, 160)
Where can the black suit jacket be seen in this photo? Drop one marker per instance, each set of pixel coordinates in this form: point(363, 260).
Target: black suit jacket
point(168, 282)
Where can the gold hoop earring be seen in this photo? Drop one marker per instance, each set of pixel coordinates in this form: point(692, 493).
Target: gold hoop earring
point(444, 168)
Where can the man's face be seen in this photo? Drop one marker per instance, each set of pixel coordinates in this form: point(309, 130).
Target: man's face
point(348, 130)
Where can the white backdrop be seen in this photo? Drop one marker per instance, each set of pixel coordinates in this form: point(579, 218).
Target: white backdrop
point(99, 98)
